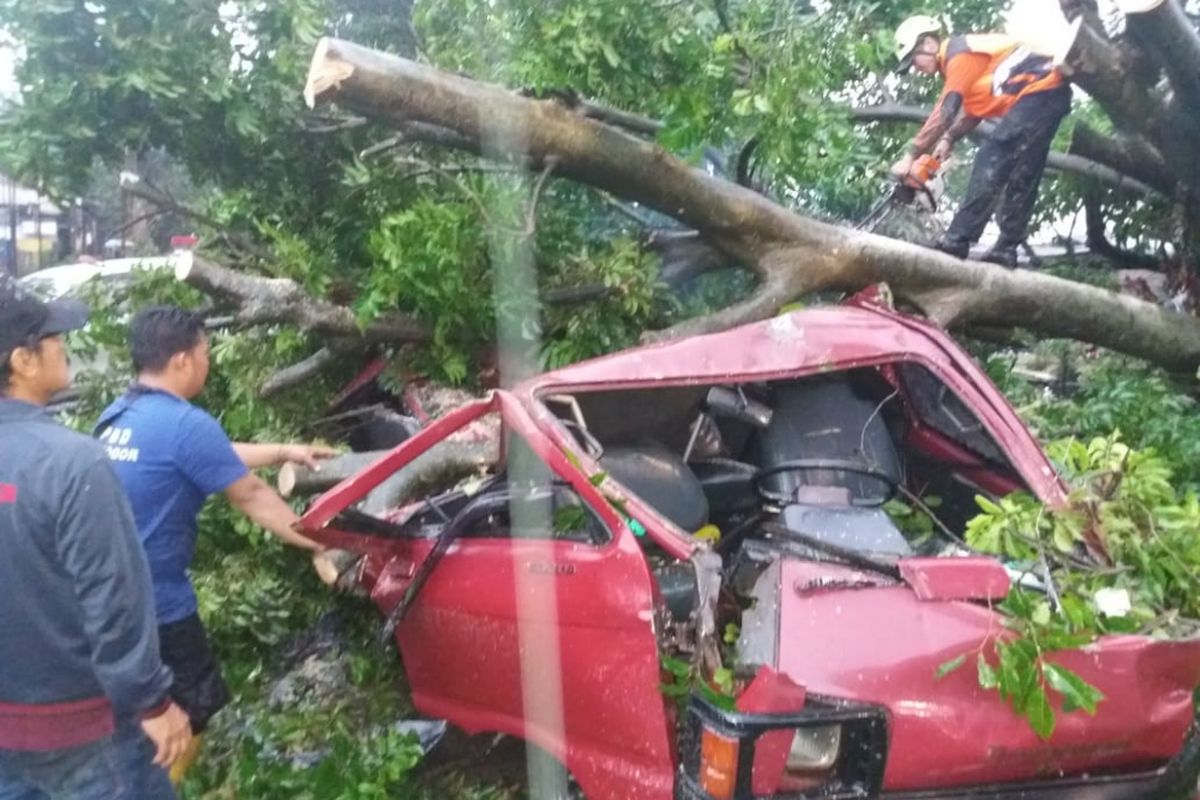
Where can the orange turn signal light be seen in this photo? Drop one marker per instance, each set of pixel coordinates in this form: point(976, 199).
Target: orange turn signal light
point(718, 765)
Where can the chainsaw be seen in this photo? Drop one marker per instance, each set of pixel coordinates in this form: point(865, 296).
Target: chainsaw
point(921, 188)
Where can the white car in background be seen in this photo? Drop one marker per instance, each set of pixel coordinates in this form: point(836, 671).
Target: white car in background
point(55, 282)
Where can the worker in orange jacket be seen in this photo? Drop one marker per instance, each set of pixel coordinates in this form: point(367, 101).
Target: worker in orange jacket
point(986, 76)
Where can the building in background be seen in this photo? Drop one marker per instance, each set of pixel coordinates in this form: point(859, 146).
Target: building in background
point(33, 231)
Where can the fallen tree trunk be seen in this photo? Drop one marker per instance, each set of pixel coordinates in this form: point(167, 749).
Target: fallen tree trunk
point(444, 459)
point(295, 479)
point(1106, 71)
point(792, 255)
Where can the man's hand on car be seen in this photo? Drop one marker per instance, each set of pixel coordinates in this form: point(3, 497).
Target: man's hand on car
point(171, 732)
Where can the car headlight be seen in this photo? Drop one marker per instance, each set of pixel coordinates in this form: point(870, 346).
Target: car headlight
point(815, 749)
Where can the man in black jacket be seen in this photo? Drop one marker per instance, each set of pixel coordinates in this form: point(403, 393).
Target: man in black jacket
point(85, 711)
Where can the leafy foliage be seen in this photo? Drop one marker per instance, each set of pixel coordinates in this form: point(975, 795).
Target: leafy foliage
point(683, 679)
point(1109, 393)
point(1122, 557)
point(322, 744)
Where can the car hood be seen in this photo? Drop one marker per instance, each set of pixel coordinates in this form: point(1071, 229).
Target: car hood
point(864, 636)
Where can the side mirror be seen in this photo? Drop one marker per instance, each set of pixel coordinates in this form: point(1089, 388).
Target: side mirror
point(724, 402)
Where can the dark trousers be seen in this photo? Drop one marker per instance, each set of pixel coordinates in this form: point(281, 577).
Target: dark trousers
point(1008, 169)
point(198, 688)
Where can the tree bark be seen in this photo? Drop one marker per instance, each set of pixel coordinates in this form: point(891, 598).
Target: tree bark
point(1170, 39)
point(443, 457)
point(262, 301)
point(297, 373)
point(1104, 69)
point(1131, 156)
point(791, 254)
point(1123, 76)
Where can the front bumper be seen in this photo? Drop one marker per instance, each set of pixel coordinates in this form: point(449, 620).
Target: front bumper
point(858, 773)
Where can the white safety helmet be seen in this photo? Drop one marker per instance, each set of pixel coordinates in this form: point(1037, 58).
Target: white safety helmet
point(909, 34)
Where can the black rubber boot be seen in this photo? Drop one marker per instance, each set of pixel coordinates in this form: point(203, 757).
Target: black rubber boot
point(953, 247)
point(1004, 255)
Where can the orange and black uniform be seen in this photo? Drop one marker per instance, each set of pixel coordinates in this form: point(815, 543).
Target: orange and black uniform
point(991, 75)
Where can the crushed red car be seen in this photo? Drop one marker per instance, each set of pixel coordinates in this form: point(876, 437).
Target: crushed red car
point(718, 500)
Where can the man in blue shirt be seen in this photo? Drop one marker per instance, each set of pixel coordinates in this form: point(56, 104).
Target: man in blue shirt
point(85, 711)
point(170, 456)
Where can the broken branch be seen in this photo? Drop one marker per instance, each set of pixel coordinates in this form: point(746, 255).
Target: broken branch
point(298, 373)
point(263, 301)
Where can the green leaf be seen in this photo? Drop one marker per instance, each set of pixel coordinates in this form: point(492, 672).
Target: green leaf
point(1039, 713)
point(610, 54)
point(675, 666)
point(1076, 692)
point(987, 674)
point(987, 505)
point(949, 666)
point(722, 701)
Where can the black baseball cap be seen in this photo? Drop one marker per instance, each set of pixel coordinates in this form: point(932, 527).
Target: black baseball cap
point(23, 316)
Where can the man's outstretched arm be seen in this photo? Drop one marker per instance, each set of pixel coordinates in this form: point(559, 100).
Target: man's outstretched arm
point(256, 455)
point(265, 508)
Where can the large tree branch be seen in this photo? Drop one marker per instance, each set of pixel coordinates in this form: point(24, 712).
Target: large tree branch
point(1106, 70)
point(1083, 164)
point(1170, 39)
point(1129, 155)
point(1122, 76)
point(793, 255)
point(263, 301)
point(622, 119)
point(298, 373)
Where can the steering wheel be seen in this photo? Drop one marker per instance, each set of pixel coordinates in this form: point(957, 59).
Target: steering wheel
point(806, 464)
